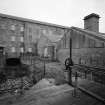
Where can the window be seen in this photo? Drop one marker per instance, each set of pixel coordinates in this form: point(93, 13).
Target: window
point(61, 43)
point(13, 38)
point(13, 27)
point(30, 30)
point(30, 37)
point(68, 43)
point(3, 26)
point(99, 44)
point(44, 31)
point(21, 39)
point(13, 49)
point(91, 43)
point(21, 49)
point(82, 40)
point(30, 49)
point(21, 28)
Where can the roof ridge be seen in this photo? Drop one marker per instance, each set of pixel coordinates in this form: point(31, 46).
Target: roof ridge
point(90, 33)
point(33, 21)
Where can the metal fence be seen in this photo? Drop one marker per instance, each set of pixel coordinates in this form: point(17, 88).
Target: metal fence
point(96, 74)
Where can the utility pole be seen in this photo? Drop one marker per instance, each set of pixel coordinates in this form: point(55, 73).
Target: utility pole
point(70, 62)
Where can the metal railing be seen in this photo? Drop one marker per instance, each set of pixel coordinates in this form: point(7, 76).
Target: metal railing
point(93, 73)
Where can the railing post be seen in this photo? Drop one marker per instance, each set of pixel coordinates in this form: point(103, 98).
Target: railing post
point(44, 67)
point(91, 76)
point(75, 91)
point(85, 74)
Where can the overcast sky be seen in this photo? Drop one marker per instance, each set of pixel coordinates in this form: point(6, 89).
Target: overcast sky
point(62, 12)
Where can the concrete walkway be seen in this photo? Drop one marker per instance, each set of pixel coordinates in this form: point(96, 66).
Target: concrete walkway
point(44, 93)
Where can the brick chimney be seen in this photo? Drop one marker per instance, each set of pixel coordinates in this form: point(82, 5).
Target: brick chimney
point(91, 22)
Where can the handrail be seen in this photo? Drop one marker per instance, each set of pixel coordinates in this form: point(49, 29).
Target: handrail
point(93, 69)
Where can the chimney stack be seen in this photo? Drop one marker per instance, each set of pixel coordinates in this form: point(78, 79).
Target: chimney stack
point(91, 22)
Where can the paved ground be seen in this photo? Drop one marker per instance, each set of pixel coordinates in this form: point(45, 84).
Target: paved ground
point(95, 89)
point(45, 93)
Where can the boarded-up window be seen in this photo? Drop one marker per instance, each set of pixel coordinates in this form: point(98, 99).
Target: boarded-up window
point(3, 26)
point(74, 40)
point(91, 43)
point(77, 44)
point(99, 44)
point(94, 60)
point(30, 37)
point(81, 40)
point(86, 42)
point(30, 30)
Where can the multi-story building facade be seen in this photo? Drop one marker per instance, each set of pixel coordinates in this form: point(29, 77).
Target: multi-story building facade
point(20, 35)
point(11, 35)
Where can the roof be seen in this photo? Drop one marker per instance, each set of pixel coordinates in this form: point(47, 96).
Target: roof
point(55, 38)
point(100, 36)
point(33, 21)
